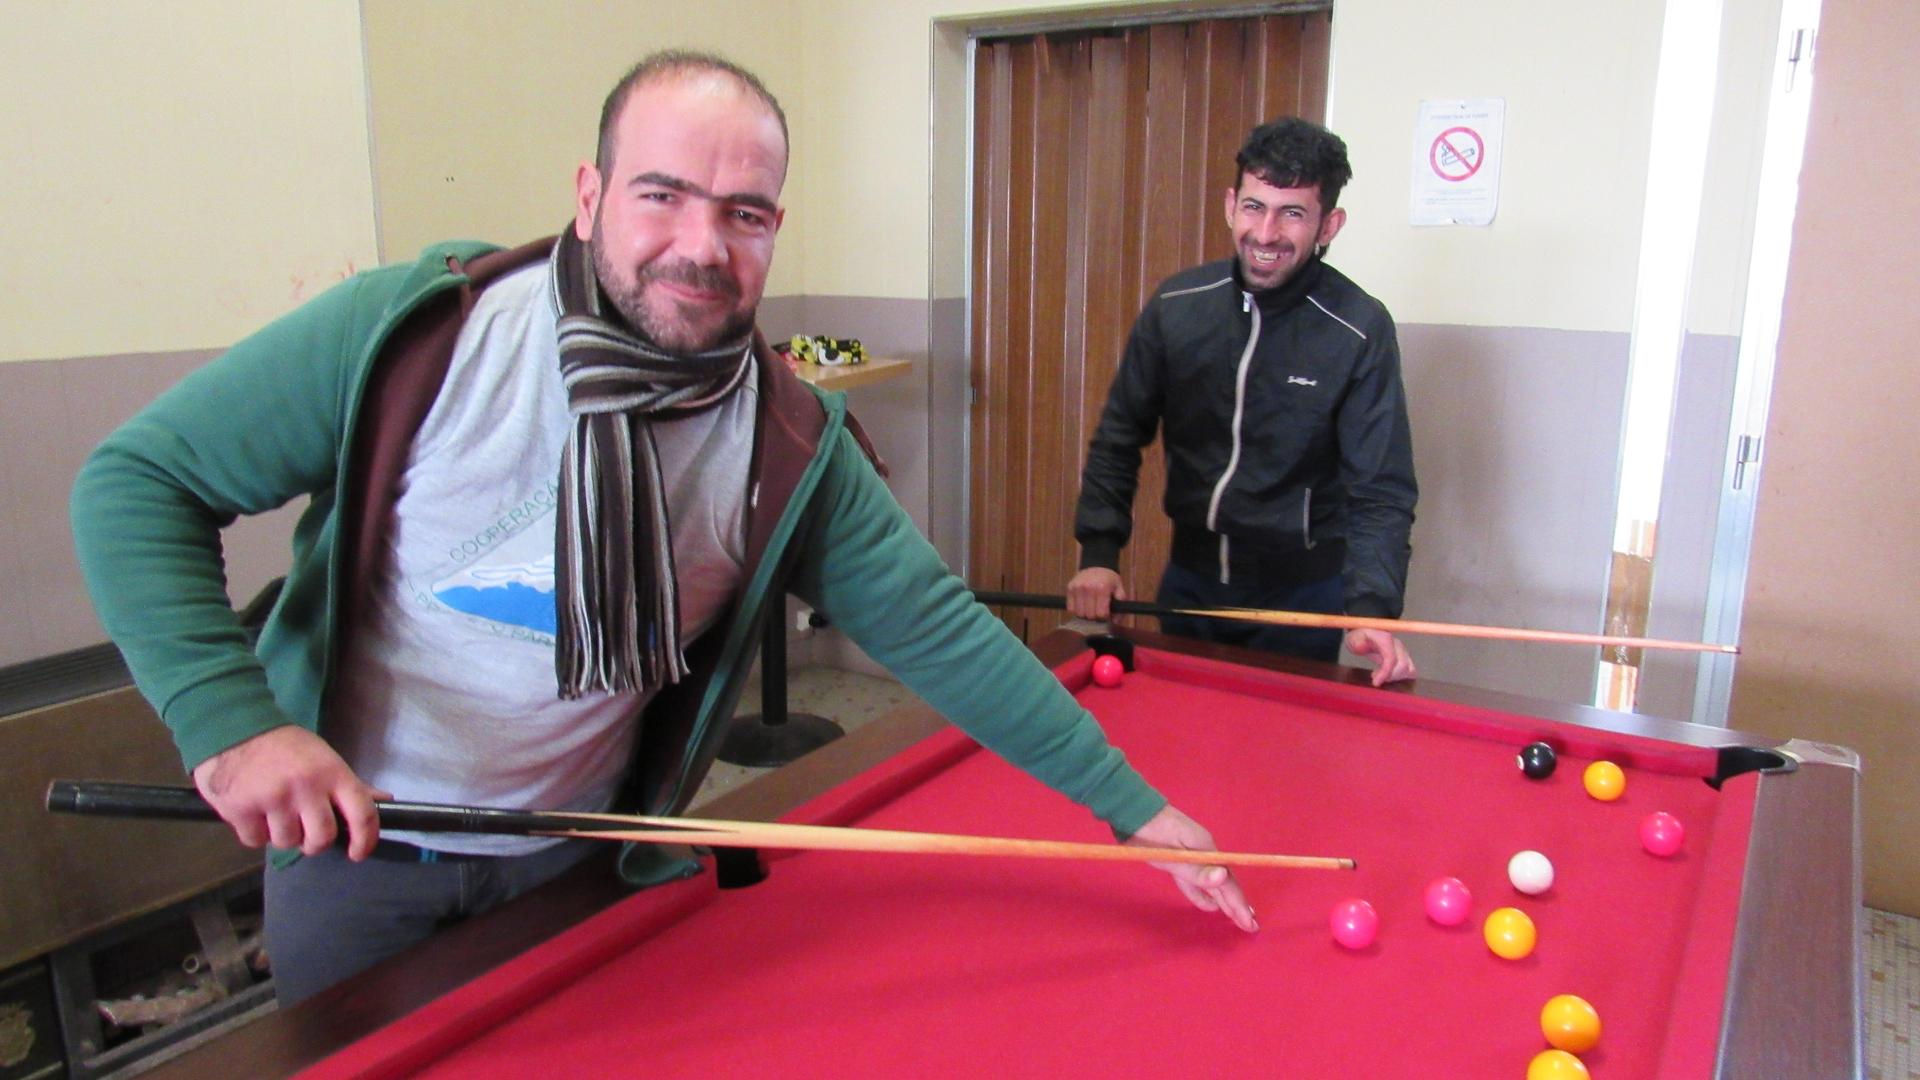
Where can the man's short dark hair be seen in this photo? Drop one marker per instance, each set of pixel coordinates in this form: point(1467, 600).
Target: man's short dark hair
point(1292, 153)
point(675, 62)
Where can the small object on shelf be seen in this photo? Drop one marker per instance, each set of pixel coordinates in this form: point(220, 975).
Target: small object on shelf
point(826, 351)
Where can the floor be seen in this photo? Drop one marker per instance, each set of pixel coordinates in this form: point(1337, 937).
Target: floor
point(1893, 995)
point(847, 698)
point(1892, 947)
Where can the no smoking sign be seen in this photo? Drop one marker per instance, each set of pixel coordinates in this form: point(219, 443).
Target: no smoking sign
point(1456, 161)
point(1457, 153)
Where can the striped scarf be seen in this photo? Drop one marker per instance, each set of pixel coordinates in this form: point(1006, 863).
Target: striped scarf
point(615, 589)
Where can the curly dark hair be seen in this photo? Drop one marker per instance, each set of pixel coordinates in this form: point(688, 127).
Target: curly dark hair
point(669, 62)
point(1292, 152)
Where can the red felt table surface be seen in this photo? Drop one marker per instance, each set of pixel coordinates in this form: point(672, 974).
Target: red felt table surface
point(854, 964)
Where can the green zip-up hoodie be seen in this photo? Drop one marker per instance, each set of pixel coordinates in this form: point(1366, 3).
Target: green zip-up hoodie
point(305, 407)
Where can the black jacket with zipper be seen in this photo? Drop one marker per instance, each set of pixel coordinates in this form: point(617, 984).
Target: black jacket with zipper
point(1288, 452)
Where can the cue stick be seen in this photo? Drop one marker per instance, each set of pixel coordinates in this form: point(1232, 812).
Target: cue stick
point(153, 801)
point(1362, 622)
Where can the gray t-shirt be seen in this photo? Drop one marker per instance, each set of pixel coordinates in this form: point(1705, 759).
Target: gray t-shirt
point(446, 690)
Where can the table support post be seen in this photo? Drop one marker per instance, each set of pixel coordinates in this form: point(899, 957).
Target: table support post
point(774, 736)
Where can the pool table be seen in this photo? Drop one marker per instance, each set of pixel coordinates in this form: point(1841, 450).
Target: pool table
point(1737, 957)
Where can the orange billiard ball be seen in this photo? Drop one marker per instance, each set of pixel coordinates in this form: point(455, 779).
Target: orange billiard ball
point(1556, 1065)
point(1570, 1024)
point(1605, 781)
point(1509, 933)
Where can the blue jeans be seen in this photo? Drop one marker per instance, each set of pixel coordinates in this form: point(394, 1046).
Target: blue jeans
point(327, 918)
point(1183, 588)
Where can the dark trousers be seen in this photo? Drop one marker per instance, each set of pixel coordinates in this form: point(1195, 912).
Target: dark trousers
point(1184, 588)
point(328, 918)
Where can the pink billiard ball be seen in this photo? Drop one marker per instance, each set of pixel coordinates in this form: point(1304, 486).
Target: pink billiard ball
point(1662, 834)
point(1108, 671)
point(1354, 923)
point(1447, 901)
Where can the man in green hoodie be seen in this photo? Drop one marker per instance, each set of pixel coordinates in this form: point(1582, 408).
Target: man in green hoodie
point(553, 490)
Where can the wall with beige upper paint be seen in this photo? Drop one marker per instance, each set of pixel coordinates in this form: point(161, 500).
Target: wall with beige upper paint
point(483, 109)
point(250, 122)
point(178, 173)
point(1577, 80)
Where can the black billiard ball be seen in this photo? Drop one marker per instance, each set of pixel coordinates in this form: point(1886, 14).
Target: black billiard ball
point(1538, 760)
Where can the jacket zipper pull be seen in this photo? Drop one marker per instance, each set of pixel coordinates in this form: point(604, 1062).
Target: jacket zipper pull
point(1246, 302)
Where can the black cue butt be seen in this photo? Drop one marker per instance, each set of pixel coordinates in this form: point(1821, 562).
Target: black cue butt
point(99, 797)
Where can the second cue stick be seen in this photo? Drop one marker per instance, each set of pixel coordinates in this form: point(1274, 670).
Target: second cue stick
point(1362, 622)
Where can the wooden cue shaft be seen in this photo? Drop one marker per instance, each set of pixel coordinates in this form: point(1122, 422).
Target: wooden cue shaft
point(1409, 626)
point(835, 838)
point(1361, 622)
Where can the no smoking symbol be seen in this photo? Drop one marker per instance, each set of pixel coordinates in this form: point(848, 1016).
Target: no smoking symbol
point(1457, 154)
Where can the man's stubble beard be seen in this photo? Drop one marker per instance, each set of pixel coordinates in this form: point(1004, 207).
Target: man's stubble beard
point(630, 302)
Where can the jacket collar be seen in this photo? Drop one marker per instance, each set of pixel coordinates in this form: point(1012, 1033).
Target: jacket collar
point(1287, 293)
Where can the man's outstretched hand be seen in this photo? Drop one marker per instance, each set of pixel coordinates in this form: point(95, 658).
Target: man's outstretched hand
point(1211, 888)
point(1392, 661)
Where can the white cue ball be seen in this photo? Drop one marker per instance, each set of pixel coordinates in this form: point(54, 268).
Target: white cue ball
point(1530, 872)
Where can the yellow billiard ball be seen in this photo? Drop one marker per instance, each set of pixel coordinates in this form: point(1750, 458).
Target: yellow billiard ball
point(1556, 1065)
point(1509, 933)
point(1605, 781)
point(1570, 1024)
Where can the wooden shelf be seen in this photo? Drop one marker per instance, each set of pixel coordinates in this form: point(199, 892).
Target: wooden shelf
point(848, 376)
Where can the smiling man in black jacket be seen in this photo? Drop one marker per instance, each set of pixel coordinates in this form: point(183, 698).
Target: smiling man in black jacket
point(1289, 461)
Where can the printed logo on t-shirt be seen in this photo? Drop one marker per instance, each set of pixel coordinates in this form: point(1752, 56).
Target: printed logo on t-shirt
point(518, 594)
point(502, 576)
